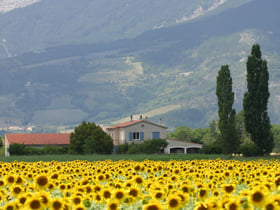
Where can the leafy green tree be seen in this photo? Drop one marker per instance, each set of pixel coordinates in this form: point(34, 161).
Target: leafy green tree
point(276, 136)
point(255, 102)
point(1, 141)
point(228, 138)
point(181, 133)
point(90, 138)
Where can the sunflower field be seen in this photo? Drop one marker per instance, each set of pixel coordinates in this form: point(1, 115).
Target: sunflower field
point(149, 185)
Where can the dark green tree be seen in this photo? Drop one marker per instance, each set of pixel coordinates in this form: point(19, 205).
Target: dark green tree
point(228, 138)
point(255, 101)
point(90, 138)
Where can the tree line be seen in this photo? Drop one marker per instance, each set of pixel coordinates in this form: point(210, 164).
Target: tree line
point(249, 131)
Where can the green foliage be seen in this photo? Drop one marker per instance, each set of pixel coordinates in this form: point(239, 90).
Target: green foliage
point(184, 133)
point(255, 102)
point(21, 149)
point(1, 141)
point(55, 150)
point(228, 138)
point(16, 149)
point(90, 138)
point(276, 136)
point(213, 148)
point(249, 149)
point(153, 146)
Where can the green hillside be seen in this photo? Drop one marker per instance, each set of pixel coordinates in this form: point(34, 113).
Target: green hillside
point(168, 73)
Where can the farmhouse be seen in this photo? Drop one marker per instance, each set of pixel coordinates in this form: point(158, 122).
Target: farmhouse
point(36, 140)
point(142, 130)
point(136, 131)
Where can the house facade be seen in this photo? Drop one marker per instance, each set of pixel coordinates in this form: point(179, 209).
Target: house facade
point(38, 140)
point(136, 131)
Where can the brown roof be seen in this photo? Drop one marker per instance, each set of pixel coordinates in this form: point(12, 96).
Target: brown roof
point(125, 124)
point(132, 122)
point(39, 138)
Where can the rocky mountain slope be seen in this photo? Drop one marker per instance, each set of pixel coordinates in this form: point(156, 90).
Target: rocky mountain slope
point(167, 73)
point(8, 5)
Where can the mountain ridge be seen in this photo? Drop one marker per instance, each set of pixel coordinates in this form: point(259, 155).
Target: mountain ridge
point(167, 73)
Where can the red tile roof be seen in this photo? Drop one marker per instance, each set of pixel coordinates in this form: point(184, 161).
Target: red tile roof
point(125, 124)
point(39, 138)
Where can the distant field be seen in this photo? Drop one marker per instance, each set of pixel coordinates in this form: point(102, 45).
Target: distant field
point(138, 157)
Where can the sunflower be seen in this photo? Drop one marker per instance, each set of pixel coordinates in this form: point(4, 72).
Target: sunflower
point(34, 203)
point(76, 200)
point(119, 195)
point(228, 188)
point(106, 194)
point(44, 198)
point(134, 192)
point(232, 204)
point(16, 190)
point(202, 193)
point(10, 179)
point(113, 205)
point(57, 204)
point(138, 180)
point(153, 205)
point(158, 195)
point(173, 202)
point(13, 205)
point(257, 197)
point(41, 181)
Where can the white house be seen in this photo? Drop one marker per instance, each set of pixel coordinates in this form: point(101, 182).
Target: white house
point(136, 131)
point(142, 130)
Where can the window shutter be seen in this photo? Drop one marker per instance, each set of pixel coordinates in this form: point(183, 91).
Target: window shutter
point(156, 135)
point(130, 136)
point(141, 135)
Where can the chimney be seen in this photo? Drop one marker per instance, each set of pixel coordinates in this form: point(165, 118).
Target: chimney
point(140, 117)
point(160, 121)
point(131, 118)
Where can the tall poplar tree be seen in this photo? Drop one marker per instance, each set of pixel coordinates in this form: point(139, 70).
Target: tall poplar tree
point(255, 102)
point(228, 138)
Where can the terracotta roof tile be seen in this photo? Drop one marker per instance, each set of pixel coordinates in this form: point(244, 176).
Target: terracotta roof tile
point(39, 138)
point(125, 124)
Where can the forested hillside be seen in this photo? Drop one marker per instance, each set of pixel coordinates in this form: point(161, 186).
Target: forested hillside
point(167, 73)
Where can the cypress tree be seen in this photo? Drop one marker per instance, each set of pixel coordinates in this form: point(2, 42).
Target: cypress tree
point(256, 119)
point(228, 138)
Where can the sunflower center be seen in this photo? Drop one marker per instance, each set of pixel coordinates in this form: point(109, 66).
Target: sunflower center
point(56, 205)
point(229, 189)
point(35, 204)
point(113, 206)
point(257, 197)
point(119, 195)
point(42, 181)
point(173, 203)
point(153, 207)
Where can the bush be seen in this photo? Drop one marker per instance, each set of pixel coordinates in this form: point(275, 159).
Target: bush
point(55, 150)
point(213, 148)
point(17, 149)
point(147, 147)
point(123, 148)
point(249, 150)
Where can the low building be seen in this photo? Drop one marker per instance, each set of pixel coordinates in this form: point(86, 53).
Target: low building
point(182, 147)
point(38, 140)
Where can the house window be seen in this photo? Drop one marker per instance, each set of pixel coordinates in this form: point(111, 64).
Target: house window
point(136, 136)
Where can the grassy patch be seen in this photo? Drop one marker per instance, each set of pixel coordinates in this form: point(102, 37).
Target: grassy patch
point(138, 157)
